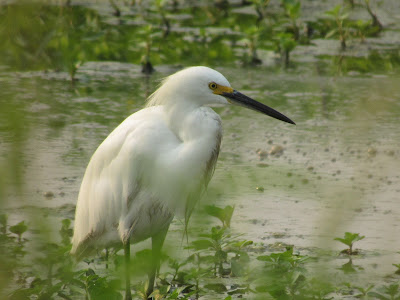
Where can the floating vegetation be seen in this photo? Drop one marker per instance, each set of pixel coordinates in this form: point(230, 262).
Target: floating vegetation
point(349, 240)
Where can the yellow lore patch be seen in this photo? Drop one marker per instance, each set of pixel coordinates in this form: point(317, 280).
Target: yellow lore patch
point(220, 89)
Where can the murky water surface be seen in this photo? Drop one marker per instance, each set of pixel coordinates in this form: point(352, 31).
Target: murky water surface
point(338, 169)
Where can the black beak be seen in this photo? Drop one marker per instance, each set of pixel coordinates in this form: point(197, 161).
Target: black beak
point(242, 100)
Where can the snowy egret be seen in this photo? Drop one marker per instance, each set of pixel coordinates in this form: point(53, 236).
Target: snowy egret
point(155, 164)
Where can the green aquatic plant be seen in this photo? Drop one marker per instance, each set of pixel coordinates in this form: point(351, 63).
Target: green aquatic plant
point(284, 260)
point(161, 9)
point(117, 11)
point(364, 293)
point(374, 62)
point(49, 274)
point(260, 6)
point(72, 69)
point(164, 293)
point(398, 268)
point(292, 11)
point(216, 241)
point(252, 36)
point(219, 245)
point(388, 292)
point(66, 231)
point(283, 275)
point(191, 276)
point(350, 2)
point(285, 43)
point(375, 21)
point(241, 260)
point(340, 16)
point(98, 287)
point(362, 29)
point(223, 214)
point(19, 229)
point(176, 266)
point(349, 240)
point(3, 223)
point(147, 66)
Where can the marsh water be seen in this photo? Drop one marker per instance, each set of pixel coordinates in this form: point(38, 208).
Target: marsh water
point(339, 169)
point(336, 171)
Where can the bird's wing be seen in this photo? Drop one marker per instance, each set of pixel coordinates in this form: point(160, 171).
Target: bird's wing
point(210, 168)
point(197, 193)
point(211, 150)
point(112, 179)
point(142, 174)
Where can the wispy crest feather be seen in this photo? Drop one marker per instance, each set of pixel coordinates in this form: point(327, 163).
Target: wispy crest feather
point(164, 89)
point(153, 100)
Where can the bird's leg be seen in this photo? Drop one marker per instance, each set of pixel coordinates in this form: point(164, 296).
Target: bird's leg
point(157, 243)
point(127, 252)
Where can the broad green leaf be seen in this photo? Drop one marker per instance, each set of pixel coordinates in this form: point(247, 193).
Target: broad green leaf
point(19, 229)
point(202, 244)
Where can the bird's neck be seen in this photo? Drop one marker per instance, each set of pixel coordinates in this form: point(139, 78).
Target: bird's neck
point(177, 114)
point(192, 122)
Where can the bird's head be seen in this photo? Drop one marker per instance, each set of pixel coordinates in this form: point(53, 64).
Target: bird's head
point(204, 86)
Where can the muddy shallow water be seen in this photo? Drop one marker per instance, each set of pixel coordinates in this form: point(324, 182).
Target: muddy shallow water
point(337, 170)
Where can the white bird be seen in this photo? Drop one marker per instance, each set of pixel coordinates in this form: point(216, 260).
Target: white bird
point(155, 164)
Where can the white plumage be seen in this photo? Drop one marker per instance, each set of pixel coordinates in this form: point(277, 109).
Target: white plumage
point(156, 163)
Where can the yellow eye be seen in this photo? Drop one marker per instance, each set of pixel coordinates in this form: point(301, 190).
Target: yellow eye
point(212, 85)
